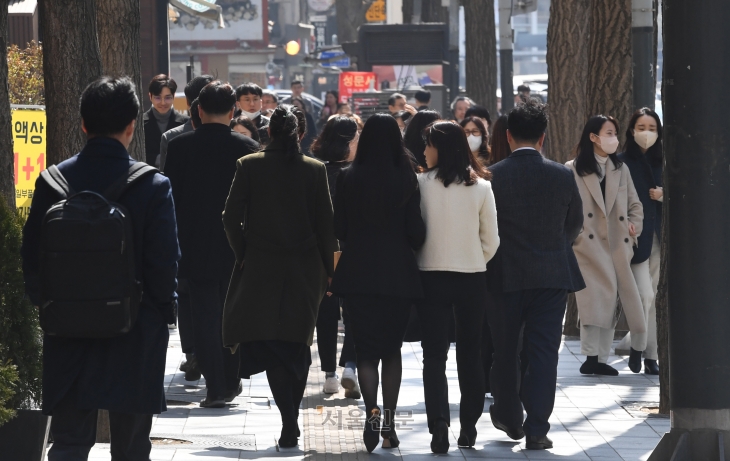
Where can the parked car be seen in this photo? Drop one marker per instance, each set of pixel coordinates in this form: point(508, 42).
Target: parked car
point(317, 103)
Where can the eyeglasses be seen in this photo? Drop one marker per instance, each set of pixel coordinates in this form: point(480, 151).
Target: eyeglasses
point(473, 132)
point(168, 98)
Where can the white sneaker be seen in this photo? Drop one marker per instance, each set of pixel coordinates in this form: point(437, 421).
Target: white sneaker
point(332, 385)
point(172, 326)
point(489, 396)
point(349, 382)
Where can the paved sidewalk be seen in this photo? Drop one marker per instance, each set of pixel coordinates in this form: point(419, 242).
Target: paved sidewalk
point(594, 419)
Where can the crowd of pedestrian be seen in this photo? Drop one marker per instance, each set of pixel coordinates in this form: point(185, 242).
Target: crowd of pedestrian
point(266, 223)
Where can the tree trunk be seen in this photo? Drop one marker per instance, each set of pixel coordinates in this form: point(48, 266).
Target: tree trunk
point(71, 60)
point(118, 23)
point(481, 53)
point(350, 16)
point(610, 76)
point(567, 63)
point(7, 177)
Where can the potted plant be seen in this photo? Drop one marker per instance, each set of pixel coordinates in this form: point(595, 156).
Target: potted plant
point(23, 429)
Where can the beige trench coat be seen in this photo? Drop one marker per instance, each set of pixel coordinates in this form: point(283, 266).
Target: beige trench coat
point(604, 249)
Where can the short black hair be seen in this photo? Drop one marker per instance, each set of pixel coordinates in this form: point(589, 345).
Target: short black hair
point(528, 121)
point(523, 88)
point(270, 93)
point(192, 89)
point(423, 96)
point(194, 114)
point(296, 82)
point(159, 82)
point(394, 97)
point(479, 111)
point(248, 88)
point(108, 106)
point(217, 98)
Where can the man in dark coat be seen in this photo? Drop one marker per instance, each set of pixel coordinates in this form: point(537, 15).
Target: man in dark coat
point(539, 214)
point(161, 117)
point(248, 101)
point(124, 374)
point(201, 166)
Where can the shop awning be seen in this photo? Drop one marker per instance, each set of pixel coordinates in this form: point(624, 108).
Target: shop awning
point(204, 8)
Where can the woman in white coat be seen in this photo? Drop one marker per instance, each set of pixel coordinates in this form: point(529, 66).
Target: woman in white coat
point(612, 222)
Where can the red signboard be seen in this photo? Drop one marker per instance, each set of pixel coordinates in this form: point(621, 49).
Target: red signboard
point(356, 82)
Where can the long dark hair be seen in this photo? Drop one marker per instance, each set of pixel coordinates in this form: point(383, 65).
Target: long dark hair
point(484, 148)
point(413, 137)
point(456, 163)
point(585, 160)
point(499, 147)
point(333, 144)
point(382, 174)
point(284, 129)
point(300, 100)
point(655, 153)
point(248, 124)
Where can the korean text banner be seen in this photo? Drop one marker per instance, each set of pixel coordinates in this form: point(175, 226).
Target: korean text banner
point(356, 82)
point(29, 147)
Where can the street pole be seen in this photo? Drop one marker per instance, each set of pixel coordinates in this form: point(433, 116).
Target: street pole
point(697, 200)
point(453, 46)
point(505, 55)
point(642, 35)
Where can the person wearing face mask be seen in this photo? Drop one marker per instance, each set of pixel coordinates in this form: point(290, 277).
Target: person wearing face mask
point(643, 156)
point(478, 138)
point(249, 103)
point(612, 222)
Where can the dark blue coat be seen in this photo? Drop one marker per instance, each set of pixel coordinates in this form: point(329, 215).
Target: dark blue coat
point(646, 176)
point(126, 373)
point(539, 215)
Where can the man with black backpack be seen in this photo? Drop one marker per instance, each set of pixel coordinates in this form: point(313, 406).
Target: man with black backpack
point(100, 257)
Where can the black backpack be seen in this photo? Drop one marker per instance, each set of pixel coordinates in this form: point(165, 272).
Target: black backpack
point(89, 288)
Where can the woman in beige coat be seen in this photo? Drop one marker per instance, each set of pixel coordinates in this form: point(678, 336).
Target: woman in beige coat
point(612, 222)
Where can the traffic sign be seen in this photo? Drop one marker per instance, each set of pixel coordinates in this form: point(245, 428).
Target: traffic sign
point(376, 12)
point(344, 61)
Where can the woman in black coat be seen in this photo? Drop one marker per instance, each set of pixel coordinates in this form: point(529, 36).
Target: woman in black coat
point(378, 216)
point(643, 156)
point(336, 147)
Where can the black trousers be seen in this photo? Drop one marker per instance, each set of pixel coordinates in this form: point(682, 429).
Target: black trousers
point(539, 315)
point(185, 317)
point(74, 433)
point(348, 344)
point(217, 364)
point(327, 324)
point(462, 296)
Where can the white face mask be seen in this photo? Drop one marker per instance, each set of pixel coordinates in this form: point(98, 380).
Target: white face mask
point(609, 144)
point(475, 142)
point(645, 139)
point(250, 115)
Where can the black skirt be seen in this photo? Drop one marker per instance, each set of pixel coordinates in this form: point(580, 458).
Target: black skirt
point(259, 356)
point(379, 324)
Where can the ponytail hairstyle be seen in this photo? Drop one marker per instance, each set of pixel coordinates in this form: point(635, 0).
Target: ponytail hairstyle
point(284, 129)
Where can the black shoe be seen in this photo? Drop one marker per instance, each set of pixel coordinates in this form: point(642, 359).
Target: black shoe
point(590, 365)
point(289, 436)
point(513, 433)
point(212, 403)
point(467, 437)
point(234, 393)
point(440, 438)
point(390, 438)
point(185, 366)
point(371, 434)
point(635, 360)
point(605, 369)
point(651, 367)
point(193, 370)
point(538, 442)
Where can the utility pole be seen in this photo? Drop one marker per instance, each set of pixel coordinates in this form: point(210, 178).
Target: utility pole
point(505, 55)
point(642, 35)
point(453, 46)
point(697, 199)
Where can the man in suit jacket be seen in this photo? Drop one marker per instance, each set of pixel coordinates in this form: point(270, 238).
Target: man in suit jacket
point(539, 214)
point(161, 117)
point(125, 374)
point(201, 166)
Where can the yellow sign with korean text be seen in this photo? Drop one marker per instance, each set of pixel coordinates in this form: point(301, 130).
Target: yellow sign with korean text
point(29, 147)
point(376, 12)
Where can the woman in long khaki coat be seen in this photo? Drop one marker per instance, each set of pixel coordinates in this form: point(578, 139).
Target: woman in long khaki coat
point(278, 219)
point(612, 220)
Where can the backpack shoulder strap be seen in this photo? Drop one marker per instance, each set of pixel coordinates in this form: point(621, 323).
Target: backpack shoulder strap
point(136, 172)
point(58, 183)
